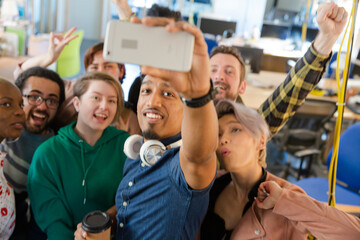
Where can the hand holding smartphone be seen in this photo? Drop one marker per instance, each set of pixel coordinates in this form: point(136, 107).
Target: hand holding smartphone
point(188, 74)
point(153, 46)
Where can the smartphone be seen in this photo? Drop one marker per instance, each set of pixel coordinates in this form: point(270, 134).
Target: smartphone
point(127, 42)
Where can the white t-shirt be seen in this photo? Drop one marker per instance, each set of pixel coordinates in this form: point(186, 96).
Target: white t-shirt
point(7, 204)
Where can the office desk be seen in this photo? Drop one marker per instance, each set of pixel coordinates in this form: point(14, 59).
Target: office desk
point(275, 62)
point(260, 86)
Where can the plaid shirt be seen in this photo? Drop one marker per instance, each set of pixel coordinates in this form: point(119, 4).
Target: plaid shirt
point(288, 97)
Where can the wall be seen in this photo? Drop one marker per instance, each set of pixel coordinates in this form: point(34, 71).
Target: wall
point(61, 21)
point(269, 6)
point(247, 13)
point(291, 5)
point(86, 15)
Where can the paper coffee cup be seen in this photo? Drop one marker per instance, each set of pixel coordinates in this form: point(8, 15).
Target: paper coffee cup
point(97, 224)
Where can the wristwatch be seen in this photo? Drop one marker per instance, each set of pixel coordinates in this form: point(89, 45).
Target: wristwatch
point(200, 101)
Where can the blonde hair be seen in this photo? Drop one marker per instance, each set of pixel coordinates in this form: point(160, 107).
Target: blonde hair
point(253, 123)
point(82, 85)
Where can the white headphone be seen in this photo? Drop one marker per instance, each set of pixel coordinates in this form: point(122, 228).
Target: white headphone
point(150, 151)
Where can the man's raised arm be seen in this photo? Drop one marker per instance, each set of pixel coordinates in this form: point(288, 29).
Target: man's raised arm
point(123, 9)
point(331, 19)
point(199, 124)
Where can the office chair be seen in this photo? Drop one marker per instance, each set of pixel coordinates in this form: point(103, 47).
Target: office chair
point(68, 63)
point(301, 137)
point(211, 43)
point(347, 189)
point(331, 70)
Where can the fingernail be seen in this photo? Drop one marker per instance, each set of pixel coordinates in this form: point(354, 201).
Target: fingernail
point(266, 194)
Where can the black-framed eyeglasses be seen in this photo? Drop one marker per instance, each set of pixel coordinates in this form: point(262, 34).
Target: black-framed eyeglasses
point(37, 100)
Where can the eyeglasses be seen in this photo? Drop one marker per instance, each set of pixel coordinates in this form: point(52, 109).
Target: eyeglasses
point(37, 100)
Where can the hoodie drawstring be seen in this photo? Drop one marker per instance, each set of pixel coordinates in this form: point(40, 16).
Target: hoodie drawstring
point(84, 171)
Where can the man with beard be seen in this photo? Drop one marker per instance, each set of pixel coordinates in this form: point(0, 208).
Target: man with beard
point(228, 67)
point(43, 93)
point(93, 61)
point(228, 70)
point(165, 197)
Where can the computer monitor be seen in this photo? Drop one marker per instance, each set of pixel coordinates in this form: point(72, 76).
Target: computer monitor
point(283, 32)
point(294, 6)
point(296, 32)
point(214, 25)
point(253, 56)
point(274, 30)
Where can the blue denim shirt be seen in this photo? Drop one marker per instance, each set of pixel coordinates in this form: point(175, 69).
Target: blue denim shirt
point(156, 202)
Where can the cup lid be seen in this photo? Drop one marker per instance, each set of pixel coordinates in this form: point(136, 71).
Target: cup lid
point(96, 222)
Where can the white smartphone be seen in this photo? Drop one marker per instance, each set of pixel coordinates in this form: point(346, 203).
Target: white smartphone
point(127, 42)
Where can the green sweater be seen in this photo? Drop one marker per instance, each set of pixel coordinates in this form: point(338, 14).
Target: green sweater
point(69, 178)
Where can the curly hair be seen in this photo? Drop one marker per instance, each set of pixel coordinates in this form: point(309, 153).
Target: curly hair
point(43, 73)
point(158, 11)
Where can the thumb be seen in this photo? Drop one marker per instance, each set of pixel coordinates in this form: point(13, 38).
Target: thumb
point(83, 234)
point(265, 186)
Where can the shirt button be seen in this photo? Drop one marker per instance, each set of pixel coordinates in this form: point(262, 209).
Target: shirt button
point(124, 204)
point(130, 184)
point(257, 232)
point(143, 164)
point(121, 225)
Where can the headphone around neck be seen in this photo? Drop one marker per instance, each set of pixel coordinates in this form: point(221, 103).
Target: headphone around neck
point(149, 152)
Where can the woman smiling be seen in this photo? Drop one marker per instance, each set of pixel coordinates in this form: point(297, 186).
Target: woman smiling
point(79, 170)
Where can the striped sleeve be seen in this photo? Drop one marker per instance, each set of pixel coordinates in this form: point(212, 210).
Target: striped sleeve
point(15, 168)
point(288, 97)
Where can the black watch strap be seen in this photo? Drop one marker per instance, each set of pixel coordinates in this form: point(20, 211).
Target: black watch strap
point(200, 101)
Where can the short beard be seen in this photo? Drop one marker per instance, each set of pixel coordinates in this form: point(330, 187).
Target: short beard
point(35, 130)
point(43, 129)
point(227, 96)
point(149, 134)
